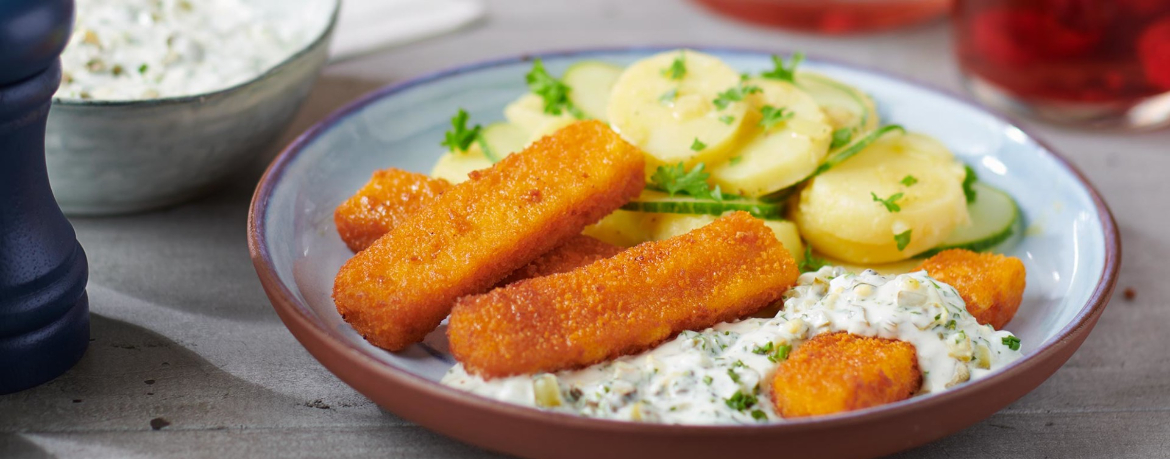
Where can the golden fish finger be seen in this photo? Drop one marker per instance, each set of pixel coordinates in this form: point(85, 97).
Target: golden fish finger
point(623, 304)
point(992, 285)
point(838, 372)
point(387, 200)
point(480, 231)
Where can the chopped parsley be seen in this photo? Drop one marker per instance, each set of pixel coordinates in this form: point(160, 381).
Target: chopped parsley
point(707, 380)
point(950, 324)
point(969, 179)
point(902, 239)
point(1011, 342)
point(759, 415)
point(810, 263)
point(143, 68)
point(734, 94)
point(773, 116)
point(741, 401)
point(698, 145)
point(735, 160)
point(678, 68)
point(731, 374)
point(891, 202)
point(668, 96)
point(781, 353)
point(726, 119)
point(909, 180)
point(783, 72)
point(841, 138)
point(459, 138)
point(675, 179)
point(763, 350)
point(553, 91)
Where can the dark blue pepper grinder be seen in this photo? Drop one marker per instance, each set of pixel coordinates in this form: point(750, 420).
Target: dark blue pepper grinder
point(44, 312)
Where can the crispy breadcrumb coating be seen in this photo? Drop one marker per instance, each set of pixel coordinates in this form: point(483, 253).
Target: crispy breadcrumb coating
point(480, 231)
point(838, 372)
point(387, 200)
point(578, 251)
point(992, 285)
point(624, 304)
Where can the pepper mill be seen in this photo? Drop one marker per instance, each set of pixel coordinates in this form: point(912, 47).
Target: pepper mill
point(44, 311)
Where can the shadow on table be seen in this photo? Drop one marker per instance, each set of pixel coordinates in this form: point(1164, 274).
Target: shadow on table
point(136, 393)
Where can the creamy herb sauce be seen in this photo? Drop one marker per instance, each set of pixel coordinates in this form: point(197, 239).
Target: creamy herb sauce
point(722, 375)
point(145, 49)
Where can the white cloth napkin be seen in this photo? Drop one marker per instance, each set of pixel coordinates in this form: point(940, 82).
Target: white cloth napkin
point(366, 25)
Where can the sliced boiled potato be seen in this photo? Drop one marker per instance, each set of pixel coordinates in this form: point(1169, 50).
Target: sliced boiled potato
point(664, 116)
point(590, 83)
point(621, 228)
point(454, 166)
point(502, 138)
point(838, 215)
point(782, 155)
point(528, 114)
point(845, 106)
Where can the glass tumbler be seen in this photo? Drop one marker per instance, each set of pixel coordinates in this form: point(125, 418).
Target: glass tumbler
point(1097, 63)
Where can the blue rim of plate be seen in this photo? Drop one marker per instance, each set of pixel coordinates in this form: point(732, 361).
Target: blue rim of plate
point(1095, 304)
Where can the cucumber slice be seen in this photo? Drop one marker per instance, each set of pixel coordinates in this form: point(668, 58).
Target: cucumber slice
point(995, 219)
point(658, 202)
point(590, 83)
point(845, 106)
point(502, 139)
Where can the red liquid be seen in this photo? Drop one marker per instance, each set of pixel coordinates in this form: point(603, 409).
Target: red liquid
point(831, 16)
point(1081, 51)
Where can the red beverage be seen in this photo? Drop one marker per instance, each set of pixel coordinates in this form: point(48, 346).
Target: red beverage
point(831, 16)
point(1090, 62)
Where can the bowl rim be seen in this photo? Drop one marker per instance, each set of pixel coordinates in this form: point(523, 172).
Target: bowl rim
point(324, 35)
point(305, 327)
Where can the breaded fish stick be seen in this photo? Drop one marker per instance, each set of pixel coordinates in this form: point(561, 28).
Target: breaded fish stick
point(838, 372)
point(992, 285)
point(387, 200)
point(480, 231)
point(624, 304)
point(393, 195)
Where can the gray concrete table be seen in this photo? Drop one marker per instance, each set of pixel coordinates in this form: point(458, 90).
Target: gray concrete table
point(189, 360)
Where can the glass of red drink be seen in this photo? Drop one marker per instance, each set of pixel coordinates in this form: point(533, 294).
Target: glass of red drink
point(1102, 63)
point(831, 16)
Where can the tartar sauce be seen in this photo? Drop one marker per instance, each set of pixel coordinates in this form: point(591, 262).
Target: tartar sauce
point(145, 49)
point(722, 375)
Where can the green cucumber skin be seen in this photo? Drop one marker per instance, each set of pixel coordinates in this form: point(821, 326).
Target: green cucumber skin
point(981, 245)
point(760, 210)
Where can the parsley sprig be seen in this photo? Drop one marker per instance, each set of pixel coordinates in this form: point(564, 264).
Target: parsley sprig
point(891, 202)
point(902, 239)
point(741, 401)
point(734, 94)
point(676, 179)
point(969, 179)
point(678, 68)
point(772, 116)
point(460, 138)
point(783, 72)
point(554, 92)
point(810, 263)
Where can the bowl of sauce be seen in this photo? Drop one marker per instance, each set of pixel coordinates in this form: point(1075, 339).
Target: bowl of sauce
point(160, 100)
